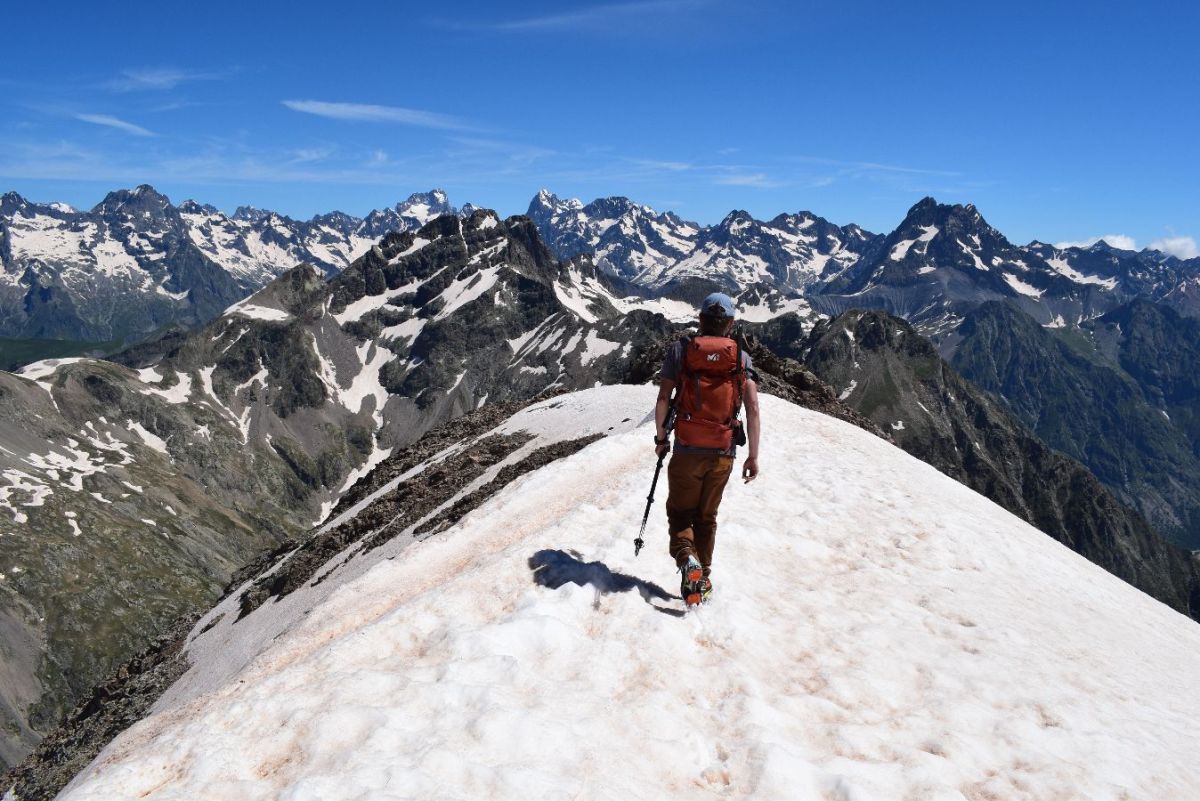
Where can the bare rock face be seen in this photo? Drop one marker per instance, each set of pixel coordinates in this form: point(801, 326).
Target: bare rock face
point(1119, 395)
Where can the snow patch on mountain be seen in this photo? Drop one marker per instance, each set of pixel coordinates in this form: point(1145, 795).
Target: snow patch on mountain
point(1022, 287)
point(900, 249)
point(1063, 267)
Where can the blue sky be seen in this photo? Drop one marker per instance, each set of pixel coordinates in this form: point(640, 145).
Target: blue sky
point(1059, 123)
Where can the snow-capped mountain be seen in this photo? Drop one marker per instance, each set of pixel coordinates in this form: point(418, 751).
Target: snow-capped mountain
point(124, 269)
point(257, 245)
point(946, 259)
point(939, 262)
point(788, 254)
point(219, 443)
point(408, 215)
point(624, 238)
point(136, 263)
point(1147, 274)
point(294, 395)
point(932, 646)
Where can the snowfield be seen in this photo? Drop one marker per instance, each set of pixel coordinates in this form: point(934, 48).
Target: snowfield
point(879, 631)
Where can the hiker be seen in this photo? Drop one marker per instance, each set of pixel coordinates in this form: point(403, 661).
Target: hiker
point(715, 379)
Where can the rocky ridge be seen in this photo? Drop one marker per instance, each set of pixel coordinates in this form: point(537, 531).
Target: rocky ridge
point(1119, 394)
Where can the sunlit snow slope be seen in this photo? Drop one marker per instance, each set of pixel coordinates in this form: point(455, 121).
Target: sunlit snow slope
point(879, 632)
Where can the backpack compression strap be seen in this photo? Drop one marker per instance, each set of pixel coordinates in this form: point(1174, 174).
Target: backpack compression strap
point(739, 379)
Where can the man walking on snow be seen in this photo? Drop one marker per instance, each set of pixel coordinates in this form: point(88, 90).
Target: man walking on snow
point(714, 380)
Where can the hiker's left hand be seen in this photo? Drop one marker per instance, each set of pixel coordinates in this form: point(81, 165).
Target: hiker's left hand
point(750, 469)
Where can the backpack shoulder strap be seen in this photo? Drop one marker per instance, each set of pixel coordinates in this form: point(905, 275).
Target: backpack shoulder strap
point(683, 343)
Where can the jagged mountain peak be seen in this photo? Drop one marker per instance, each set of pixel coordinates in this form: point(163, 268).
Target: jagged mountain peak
point(548, 201)
point(435, 199)
point(1104, 246)
point(190, 206)
point(928, 211)
point(615, 206)
point(411, 213)
point(736, 217)
point(12, 203)
point(337, 219)
point(737, 224)
point(142, 198)
point(251, 214)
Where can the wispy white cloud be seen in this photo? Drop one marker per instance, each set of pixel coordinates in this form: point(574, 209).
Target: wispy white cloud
point(669, 166)
point(818, 172)
point(307, 155)
point(587, 19)
point(368, 112)
point(161, 78)
point(113, 122)
point(851, 167)
point(1118, 241)
point(757, 179)
point(1183, 247)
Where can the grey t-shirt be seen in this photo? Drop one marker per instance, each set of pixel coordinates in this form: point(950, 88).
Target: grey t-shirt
point(670, 372)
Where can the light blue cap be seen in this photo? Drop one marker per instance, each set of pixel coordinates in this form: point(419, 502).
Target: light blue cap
point(717, 304)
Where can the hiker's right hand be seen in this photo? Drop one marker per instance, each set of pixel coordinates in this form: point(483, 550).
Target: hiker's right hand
point(661, 448)
point(750, 469)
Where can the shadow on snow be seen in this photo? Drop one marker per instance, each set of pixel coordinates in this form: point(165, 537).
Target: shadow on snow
point(554, 569)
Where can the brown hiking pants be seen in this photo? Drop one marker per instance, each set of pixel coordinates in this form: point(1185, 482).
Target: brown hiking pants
point(696, 483)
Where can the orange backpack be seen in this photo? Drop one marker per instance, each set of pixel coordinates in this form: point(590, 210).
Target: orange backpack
point(711, 380)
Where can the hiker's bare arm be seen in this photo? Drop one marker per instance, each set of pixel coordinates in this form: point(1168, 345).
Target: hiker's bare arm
point(750, 468)
point(665, 388)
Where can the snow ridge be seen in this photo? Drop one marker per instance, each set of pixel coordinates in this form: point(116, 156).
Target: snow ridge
point(933, 647)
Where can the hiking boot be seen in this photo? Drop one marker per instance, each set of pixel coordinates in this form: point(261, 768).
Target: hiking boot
point(691, 586)
point(705, 590)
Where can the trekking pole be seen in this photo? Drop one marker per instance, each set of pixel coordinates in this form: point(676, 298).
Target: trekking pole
point(667, 426)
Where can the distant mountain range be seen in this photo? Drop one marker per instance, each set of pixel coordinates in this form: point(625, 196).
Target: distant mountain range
point(136, 263)
point(938, 263)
